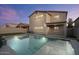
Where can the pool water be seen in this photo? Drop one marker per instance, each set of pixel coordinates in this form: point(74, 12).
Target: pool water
point(26, 45)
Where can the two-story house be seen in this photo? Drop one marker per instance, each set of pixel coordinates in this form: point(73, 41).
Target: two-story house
point(48, 22)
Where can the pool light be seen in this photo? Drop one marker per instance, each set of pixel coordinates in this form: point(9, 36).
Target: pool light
point(44, 39)
point(16, 38)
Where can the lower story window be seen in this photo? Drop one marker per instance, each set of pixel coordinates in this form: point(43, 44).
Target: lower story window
point(38, 27)
point(56, 28)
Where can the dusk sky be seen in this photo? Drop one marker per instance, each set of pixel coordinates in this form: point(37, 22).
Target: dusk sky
point(19, 13)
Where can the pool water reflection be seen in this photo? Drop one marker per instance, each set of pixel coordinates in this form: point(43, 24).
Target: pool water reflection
point(27, 45)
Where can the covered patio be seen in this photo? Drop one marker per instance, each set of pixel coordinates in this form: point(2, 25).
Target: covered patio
point(56, 28)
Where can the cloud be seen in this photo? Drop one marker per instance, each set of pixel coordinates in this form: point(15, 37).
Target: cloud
point(8, 14)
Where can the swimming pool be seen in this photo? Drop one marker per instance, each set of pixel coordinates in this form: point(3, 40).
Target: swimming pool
point(27, 44)
point(33, 44)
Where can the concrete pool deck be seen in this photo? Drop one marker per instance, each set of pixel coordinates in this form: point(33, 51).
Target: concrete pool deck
point(75, 45)
point(5, 50)
point(56, 48)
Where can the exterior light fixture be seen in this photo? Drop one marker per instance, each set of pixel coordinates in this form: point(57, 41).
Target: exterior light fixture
point(73, 24)
point(56, 28)
point(67, 24)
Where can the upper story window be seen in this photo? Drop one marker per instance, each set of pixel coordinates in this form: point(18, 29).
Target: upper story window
point(39, 16)
point(56, 16)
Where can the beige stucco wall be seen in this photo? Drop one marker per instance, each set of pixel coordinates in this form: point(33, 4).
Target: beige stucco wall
point(36, 22)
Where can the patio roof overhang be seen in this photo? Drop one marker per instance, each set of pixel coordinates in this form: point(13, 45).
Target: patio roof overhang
point(52, 24)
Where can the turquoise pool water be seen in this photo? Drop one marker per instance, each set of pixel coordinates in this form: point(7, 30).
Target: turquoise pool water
point(26, 45)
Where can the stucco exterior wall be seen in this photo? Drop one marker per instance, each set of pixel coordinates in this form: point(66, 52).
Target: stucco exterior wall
point(37, 23)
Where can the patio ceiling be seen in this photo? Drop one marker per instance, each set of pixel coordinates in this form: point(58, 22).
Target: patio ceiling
point(52, 24)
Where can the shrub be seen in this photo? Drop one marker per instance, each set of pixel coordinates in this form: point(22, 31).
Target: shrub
point(1, 42)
